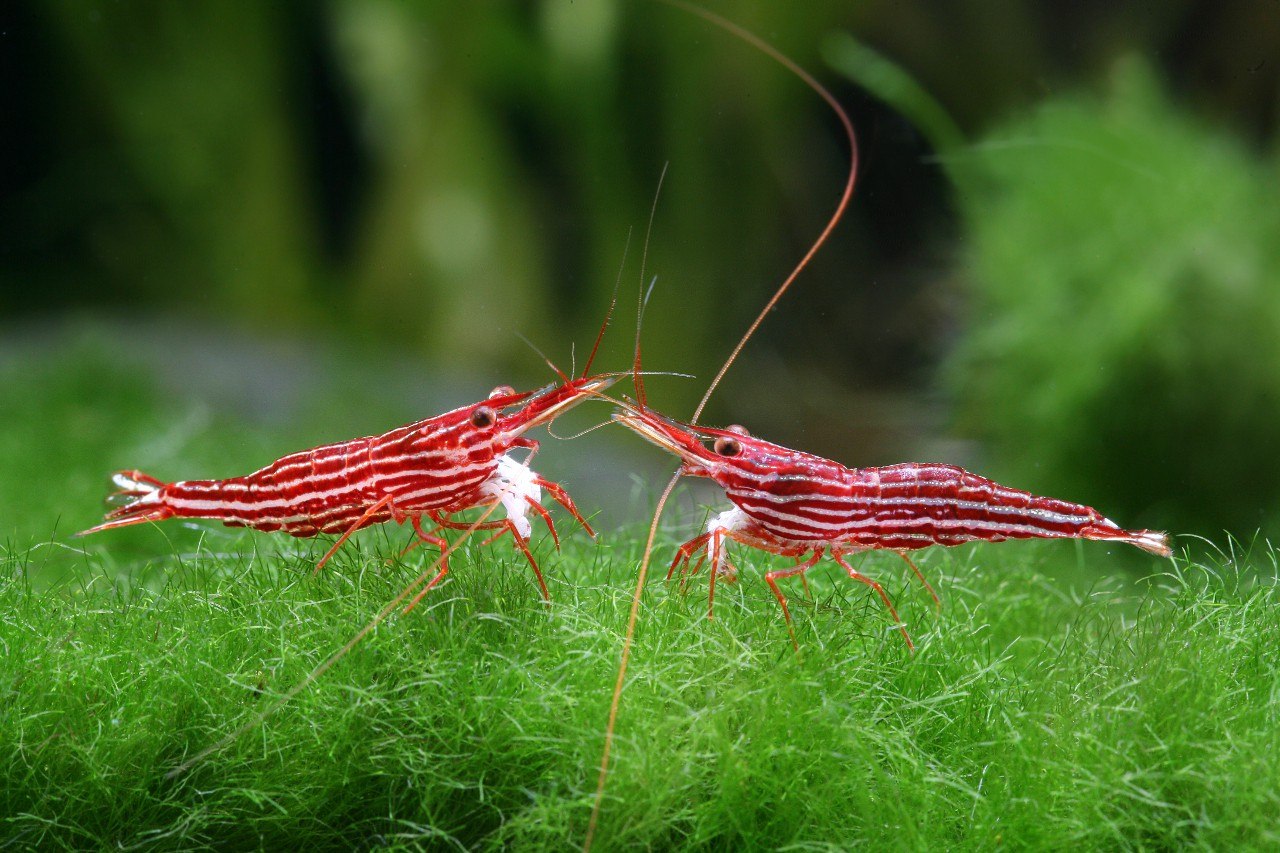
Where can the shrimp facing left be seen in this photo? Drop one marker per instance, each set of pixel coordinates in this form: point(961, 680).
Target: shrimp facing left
point(795, 504)
point(432, 469)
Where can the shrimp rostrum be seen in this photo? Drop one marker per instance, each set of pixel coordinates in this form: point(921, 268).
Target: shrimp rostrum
point(429, 470)
point(798, 505)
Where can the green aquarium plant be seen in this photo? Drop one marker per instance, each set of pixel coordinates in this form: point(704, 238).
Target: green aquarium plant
point(1124, 312)
point(1120, 332)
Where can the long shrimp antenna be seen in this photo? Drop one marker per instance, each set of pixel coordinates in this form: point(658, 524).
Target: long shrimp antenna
point(626, 657)
point(645, 559)
point(531, 345)
point(613, 303)
point(642, 297)
point(580, 433)
point(786, 61)
point(320, 670)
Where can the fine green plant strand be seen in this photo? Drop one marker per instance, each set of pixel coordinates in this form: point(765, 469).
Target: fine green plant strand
point(1121, 716)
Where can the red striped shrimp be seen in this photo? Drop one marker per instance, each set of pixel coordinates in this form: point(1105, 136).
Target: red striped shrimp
point(433, 469)
point(795, 504)
point(845, 196)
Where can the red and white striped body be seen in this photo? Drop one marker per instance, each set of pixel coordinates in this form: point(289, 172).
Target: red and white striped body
point(433, 468)
point(426, 467)
point(806, 500)
point(795, 504)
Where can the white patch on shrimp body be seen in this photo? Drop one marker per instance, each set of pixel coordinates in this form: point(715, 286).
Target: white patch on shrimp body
point(141, 493)
point(514, 484)
point(729, 521)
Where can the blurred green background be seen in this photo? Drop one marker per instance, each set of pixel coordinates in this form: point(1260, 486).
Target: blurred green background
point(284, 224)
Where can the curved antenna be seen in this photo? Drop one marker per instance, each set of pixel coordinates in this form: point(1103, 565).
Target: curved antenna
point(772, 52)
point(786, 62)
point(579, 434)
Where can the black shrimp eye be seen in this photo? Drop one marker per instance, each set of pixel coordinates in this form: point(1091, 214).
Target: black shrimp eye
point(726, 446)
point(502, 391)
point(483, 416)
point(738, 428)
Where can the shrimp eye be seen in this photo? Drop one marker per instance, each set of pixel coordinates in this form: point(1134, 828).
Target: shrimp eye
point(726, 446)
point(502, 391)
point(738, 428)
point(483, 416)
